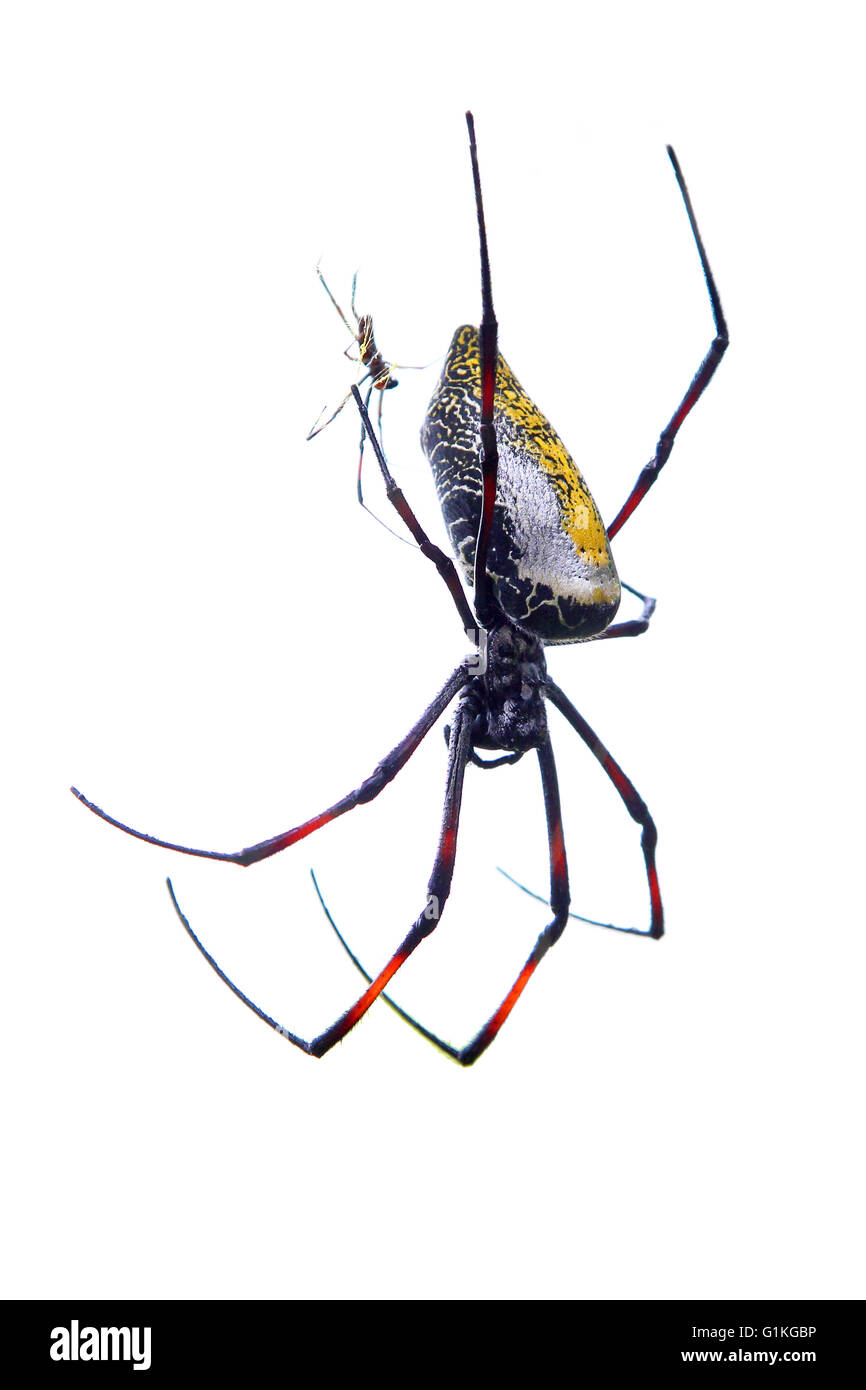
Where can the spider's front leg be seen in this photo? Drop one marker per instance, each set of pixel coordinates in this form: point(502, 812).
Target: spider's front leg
point(445, 566)
point(438, 889)
point(700, 381)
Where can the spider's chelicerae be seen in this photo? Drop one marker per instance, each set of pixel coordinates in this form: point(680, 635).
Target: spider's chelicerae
point(531, 544)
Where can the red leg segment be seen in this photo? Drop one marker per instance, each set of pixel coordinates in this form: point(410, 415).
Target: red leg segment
point(438, 889)
point(701, 380)
point(633, 802)
point(559, 898)
point(385, 772)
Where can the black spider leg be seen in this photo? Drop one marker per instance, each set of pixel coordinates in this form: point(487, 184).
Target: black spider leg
point(369, 510)
point(633, 804)
point(559, 898)
point(367, 399)
point(404, 367)
point(701, 380)
point(384, 773)
point(444, 565)
point(490, 762)
point(428, 918)
point(445, 1047)
point(485, 604)
point(577, 916)
point(629, 629)
point(635, 626)
point(504, 761)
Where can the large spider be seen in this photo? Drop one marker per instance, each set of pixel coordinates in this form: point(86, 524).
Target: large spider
point(529, 540)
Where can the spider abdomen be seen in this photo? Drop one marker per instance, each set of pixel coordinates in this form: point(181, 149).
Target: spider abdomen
point(549, 556)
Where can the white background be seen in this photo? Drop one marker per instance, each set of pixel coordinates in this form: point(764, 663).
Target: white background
point(206, 635)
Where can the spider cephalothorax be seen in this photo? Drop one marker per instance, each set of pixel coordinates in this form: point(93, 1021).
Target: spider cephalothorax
point(510, 714)
point(529, 539)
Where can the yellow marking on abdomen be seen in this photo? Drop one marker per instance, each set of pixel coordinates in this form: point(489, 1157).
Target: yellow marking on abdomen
point(579, 515)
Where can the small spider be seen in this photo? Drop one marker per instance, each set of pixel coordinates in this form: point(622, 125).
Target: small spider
point(379, 373)
point(531, 544)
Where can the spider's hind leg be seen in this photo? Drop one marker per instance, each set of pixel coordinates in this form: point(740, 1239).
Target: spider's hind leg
point(426, 922)
point(559, 897)
point(634, 804)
